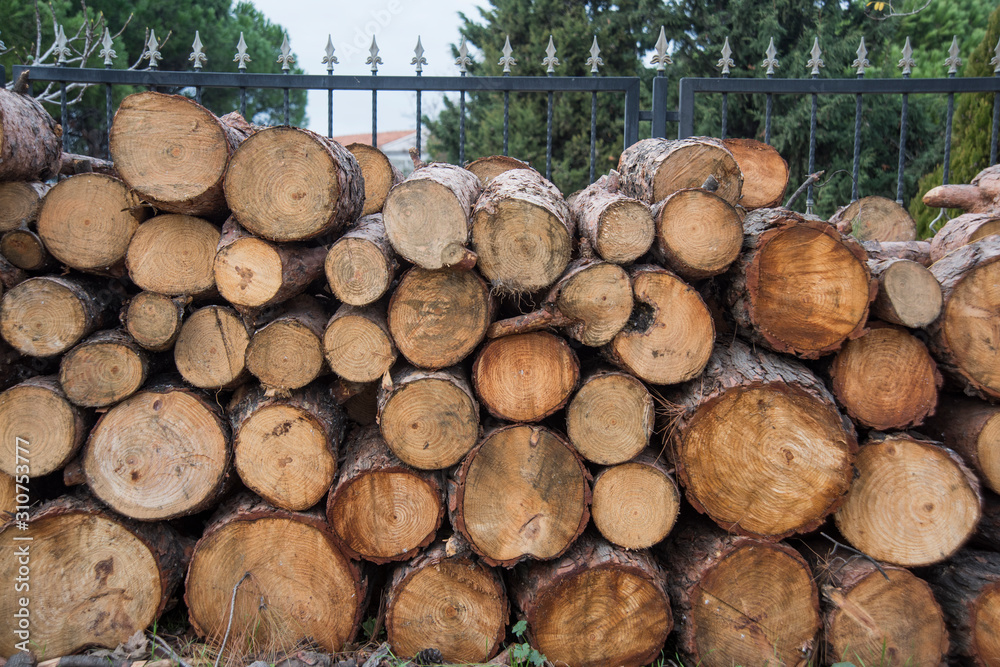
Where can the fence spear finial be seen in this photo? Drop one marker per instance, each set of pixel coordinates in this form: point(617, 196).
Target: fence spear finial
point(861, 62)
point(62, 51)
point(242, 57)
point(995, 60)
point(816, 61)
point(374, 59)
point(197, 56)
point(507, 60)
point(595, 59)
point(286, 58)
point(418, 56)
point(771, 61)
point(953, 61)
point(550, 61)
point(725, 62)
point(463, 61)
point(329, 59)
point(907, 63)
point(660, 58)
point(152, 53)
point(108, 52)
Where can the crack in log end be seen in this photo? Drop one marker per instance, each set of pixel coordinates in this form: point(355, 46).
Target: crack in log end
point(531, 527)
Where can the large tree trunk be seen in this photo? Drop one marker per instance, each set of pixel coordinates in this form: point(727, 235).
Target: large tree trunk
point(765, 173)
point(30, 139)
point(37, 416)
point(875, 219)
point(788, 459)
point(154, 320)
point(289, 581)
point(652, 169)
point(210, 352)
point(106, 368)
point(380, 175)
point(173, 152)
point(357, 343)
point(610, 419)
point(968, 589)
point(523, 492)
point(636, 503)
point(698, 233)
point(290, 184)
point(174, 254)
point(620, 229)
point(361, 265)
point(908, 293)
point(287, 352)
point(971, 428)
point(963, 230)
point(597, 605)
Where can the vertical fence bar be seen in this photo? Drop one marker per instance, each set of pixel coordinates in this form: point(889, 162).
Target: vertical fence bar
point(770, 62)
point(329, 60)
point(108, 114)
point(953, 62)
point(374, 118)
point(815, 63)
point(64, 118)
point(287, 111)
point(660, 91)
point(419, 122)
point(418, 60)
point(329, 112)
point(995, 61)
point(725, 111)
point(506, 119)
point(861, 62)
point(243, 101)
point(593, 135)
point(461, 126)
point(725, 62)
point(907, 64)
point(374, 60)
point(548, 139)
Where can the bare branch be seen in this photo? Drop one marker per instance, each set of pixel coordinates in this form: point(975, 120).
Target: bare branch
point(892, 13)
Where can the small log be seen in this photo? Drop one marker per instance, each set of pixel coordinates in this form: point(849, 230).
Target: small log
point(381, 509)
point(357, 343)
point(210, 351)
point(37, 416)
point(154, 320)
point(73, 164)
point(445, 598)
point(489, 167)
point(429, 419)
point(698, 233)
point(618, 228)
point(636, 503)
point(913, 504)
point(361, 265)
point(427, 216)
point(290, 184)
point(522, 492)
point(971, 428)
point(173, 152)
point(522, 232)
point(20, 202)
point(610, 418)
point(285, 449)
point(105, 368)
point(875, 219)
point(30, 139)
point(652, 169)
point(379, 173)
point(980, 196)
point(174, 255)
point(968, 589)
point(908, 293)
point(287, 352)
point(437, 318)
point(963, 230)
point(765, 173)
point(25, 250)
point(916, 251)
point(597, 605)
point(289, 582)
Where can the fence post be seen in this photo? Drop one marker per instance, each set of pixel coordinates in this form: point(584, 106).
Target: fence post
point(660, 90)
point(685, 108)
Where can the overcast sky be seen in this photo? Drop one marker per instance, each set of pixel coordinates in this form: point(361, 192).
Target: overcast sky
point(396, 24)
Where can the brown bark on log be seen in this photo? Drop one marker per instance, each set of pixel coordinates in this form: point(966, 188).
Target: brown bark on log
point(908, 293)
point(98, 578)
point(105, 368)
point(429, 419)
point(522, 492)
point(360, 266)
point(636, 503)
point(30, 139)
point(652, 169)
point(789, 454)
point(10, 275)
point(174, 254)
point(287, 352)
point(963, 230)
point(522, 232)
point(489, 167)
point(19, 203)
point(73, 164)
point(154, 320)
point(428, 216)
point(379, 173)
point(968, 590)
point(285, 449)
point(620, 229)
point(446, 599)
point(289, 561)
point(610, 418)
point(698, 233)
point(25, 250)
point(381, 509)
point(36, 415)
point(914, 503)
point(173, 152)
point(765, 173)
point(740, 601)
point(669, 336)
point(210, 351)
point(916, 251)
point(981, 196)
point(875, 219)
point(163, 453)
point(597, 605)
point(313, 188)
point(357, 343)
point(800, 286)
point(971, 428)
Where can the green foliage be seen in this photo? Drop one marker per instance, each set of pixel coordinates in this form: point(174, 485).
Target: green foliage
point(522, 654)
point(369, 626)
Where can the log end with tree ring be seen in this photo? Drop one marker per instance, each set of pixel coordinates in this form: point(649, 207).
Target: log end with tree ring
point(875, 219)
point(103, 370)
point(285, 354)
point(689, 166)
point(625, 231)
point(786, 465)
point(37, 416)
point(19, 203)
point(698, 233)
point(635, 504)
point(962, 230)
point(248, 272)
point(158, 455)
point(357, 345)
point(357, 271)
point(610, 419)
point(987, 452)
point(525, 377)
point(489, 167)
point(25, 250)
point(174, 254)
point(379, 174)
point(154, 320)
point(908, 294)
point(913, 503)
point(427, 223)
point(599, 299)
point(8, 494)
point(522, 493)
point(42, 317)
point(210, 351)
point(886, 379)
point(765, 172)
point(87, 221)
point(987, 620)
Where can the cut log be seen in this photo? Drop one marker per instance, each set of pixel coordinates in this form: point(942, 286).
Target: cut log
point(968, 589)
point(290, 184)
point(8, 494)
point(96, 579)
point(789, 454)
point(173, 152)
point(765, 172)
point(36, 416)
point(437, 318)
point(210, 351)
point(875, 219)
point(971, 428)
point(360, 266)
point(964, 230)
point(523, 492)
point(278, 575)
point(800, 286)
point(252, 273)
point(980, 196)
point(19, 203)
point(618, 228)
point(668, 339)
point(597, 605)
point(47, 315)
point(174, 255)
point(381, 509)
point(25, 250)
point(448, 600)
point(287, 352)
point(525, 377)
point(636, 503)
point(429, 419)
point(522, 232)
point(380, 175)
point(10, 275)
point(908, 293)
point(285, 449)
point(105, 368)
point(886, 379)
point(427, 216)
point(30, 139)
point(963, 338)
point(652, 169)
point(489, 167)
point(154, 320)
point(357, 343)
point(610, 419)
point(160, 454)
point(914, 503)
point(698, 233)
point(87, 222)
point(741, 601)
point(916, 251)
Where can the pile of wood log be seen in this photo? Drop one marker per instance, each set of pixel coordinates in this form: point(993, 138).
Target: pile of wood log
point(258, 372)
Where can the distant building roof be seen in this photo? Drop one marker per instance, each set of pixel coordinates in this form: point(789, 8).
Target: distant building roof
point(366, 138)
